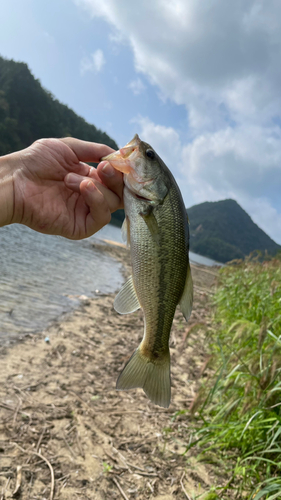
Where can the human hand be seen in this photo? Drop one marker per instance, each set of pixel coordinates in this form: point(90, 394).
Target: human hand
point(56, 192)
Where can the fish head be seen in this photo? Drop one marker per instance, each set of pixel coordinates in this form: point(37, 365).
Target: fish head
point(143, 170)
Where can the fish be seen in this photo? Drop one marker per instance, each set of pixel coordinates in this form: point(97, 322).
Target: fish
point(156, 228)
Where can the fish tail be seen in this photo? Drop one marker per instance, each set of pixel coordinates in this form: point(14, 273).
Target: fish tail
point(152, 376)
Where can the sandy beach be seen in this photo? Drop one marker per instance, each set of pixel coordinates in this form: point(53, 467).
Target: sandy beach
point(66, 433)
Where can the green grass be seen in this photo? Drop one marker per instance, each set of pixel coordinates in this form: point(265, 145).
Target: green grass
point(238, 412)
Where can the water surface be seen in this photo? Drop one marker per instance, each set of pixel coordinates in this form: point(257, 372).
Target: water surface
point(42, 276)
point(200, 259)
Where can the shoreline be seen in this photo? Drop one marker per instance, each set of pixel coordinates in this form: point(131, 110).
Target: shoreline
point(59, 406)
point(106, 246)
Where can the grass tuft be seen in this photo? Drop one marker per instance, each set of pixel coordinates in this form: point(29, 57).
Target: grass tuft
point(238, 411)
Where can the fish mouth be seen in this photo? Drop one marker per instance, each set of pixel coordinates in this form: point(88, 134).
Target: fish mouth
point(122, 159)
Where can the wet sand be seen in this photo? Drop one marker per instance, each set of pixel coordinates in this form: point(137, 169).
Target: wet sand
point(66, 433)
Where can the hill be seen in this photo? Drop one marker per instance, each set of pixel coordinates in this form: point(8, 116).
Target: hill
point(29, 112)
point(223, 231)
point(118, 217)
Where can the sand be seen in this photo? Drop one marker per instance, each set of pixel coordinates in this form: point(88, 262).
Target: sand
point(66, 433)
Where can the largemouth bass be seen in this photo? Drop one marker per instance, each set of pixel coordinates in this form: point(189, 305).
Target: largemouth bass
point(157, 231)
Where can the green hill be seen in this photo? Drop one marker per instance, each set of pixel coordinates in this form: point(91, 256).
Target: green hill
point(223, 231)
point(29, 112)
point(118, 217)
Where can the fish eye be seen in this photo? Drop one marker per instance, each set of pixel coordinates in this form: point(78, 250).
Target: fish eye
point(150, 154)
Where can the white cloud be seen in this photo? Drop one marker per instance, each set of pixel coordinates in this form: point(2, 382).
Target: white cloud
point(242, 163)
point(197, 50)
point(165, 140)
point(205, 54)
point(222, 62)
point(93, 63)
point(243, 158)
point(137, 86)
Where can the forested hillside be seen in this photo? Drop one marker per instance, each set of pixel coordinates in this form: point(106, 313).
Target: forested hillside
point(223, 231)
point(29, 112)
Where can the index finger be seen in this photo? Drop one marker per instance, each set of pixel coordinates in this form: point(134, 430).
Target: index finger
point(86, 150)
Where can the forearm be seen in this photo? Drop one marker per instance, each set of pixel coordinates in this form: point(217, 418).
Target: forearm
point(7, 169)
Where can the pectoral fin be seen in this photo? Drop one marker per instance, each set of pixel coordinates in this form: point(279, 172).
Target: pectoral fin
point(126, 301)
point(151, 222)
point(125, 231)
point(187, 296)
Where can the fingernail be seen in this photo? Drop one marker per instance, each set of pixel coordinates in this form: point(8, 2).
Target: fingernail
point(72, 178)
point(108, 170)
point(91, 186)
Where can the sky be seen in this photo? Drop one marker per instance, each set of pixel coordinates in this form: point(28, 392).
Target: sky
point(199, 81)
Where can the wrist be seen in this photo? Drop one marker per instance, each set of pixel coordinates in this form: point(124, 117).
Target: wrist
point(7, 169)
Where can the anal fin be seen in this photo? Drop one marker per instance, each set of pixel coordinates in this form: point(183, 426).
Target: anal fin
point(126, 301)
point(187, 296)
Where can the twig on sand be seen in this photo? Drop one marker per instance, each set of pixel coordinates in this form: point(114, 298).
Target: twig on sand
point(79, 444)
point(38, 445)
point(110, 456)
point(136, 467)
point(119, 488)
point(69, 447)
point(146, 474)
point(40, 440)
point(82, 401)
point(18, 482)
point(44, 460)
point(183, 488)
point(51, 471)
point(7, 407)
point(16, 411)
point(150, 487)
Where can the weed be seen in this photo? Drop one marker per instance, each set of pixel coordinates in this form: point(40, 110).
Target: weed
point(106, 467)
point(239, 411)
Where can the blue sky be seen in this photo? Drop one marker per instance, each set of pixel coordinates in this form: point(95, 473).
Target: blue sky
point(200, 81)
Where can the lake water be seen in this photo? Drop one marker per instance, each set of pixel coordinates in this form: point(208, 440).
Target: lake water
point(43, 276)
